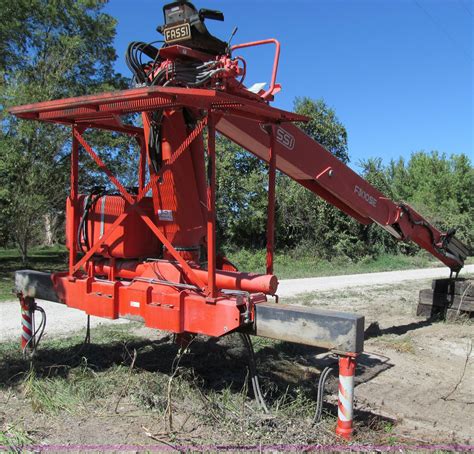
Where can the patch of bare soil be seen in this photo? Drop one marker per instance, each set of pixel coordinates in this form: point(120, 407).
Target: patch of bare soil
point(418, 372)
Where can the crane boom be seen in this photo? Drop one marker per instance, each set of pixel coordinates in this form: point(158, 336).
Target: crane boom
point(311, 165)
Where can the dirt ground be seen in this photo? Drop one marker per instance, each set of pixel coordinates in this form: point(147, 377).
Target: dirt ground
point(415, 384)
point(421, 374)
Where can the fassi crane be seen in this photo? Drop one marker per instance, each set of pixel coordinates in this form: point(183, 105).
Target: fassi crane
point(149, 254)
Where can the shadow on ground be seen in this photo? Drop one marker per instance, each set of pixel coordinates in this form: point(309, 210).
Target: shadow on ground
point(218, 364)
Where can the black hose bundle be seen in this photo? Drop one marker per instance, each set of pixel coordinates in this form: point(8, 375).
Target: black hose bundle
point(154, 140)
point(90, 201)
point(134, 60)
point(253, 372)
point(37, 333)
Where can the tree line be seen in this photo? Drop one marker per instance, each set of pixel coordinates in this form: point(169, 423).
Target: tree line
point(51, 49)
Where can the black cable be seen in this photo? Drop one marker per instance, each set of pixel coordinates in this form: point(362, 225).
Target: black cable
point(83, 231)
point(320, 396)
point(40, 330)
point(134, 59)
point(423, 223)
point(253, 372)
point(87, 339)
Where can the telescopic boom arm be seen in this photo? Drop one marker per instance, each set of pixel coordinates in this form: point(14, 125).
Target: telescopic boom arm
point(311, 165)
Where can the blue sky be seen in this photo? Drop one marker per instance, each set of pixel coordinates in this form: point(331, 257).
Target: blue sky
point(399, 73)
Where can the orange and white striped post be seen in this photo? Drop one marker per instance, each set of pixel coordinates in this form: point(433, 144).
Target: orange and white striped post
point(347, 366)
point(27, 309)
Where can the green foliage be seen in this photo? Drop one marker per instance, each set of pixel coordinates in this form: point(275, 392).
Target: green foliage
point(302, 218)
point(439, 187)
point(49, 49)
point(241, 197)
point(302, 262)
point(323, 126)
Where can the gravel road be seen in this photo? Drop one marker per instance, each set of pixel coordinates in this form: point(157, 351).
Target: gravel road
point(293, 287)
point(62, 320)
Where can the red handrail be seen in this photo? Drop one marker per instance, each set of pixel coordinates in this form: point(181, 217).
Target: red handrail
point(275, 60)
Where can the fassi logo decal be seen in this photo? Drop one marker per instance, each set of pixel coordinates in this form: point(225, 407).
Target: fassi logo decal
point(283, 137)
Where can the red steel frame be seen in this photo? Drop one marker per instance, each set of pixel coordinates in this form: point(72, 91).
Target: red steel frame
point(102, 112)
point(131, 205)
point(273, 85)
point(240, 118)
point(271, 199)
point(211, 207)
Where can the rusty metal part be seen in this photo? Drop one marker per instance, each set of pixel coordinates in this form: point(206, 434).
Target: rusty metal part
point(337, 331)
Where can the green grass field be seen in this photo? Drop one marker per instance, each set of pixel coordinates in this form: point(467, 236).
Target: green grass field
point(43, 259)
point(292, 266)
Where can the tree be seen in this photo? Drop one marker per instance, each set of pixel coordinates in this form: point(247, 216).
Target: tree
point(438, 187)
point(303, 217)
point(241, 197)
point(59, 48)
point(323, 126)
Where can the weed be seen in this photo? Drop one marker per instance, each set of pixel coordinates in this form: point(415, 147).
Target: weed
point(14, 438)
point(399, 344)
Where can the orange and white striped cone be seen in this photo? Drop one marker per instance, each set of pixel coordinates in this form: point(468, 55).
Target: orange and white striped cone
point(347, 366)
point(26, 322)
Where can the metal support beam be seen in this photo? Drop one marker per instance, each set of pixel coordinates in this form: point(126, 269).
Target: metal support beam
point(74, 193)
point(271, 199)
point(36, 284)
point(211, 207)
point(337, 331)
point(142, 164)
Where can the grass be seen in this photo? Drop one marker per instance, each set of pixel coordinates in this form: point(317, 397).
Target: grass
point(198, 396)
point(41, 258)
point(399, 344)
point(13, 438)
point(290, 265)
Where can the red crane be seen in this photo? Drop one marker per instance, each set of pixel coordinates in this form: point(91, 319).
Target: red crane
point(149, 253)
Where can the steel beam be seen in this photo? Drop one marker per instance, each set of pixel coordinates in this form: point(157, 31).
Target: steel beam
point(36, 284)
point(338, 331)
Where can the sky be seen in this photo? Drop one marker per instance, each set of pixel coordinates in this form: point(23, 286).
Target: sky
point(398, 73)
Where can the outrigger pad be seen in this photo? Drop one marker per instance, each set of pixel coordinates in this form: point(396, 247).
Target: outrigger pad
point(338, 331)
point(36, 284)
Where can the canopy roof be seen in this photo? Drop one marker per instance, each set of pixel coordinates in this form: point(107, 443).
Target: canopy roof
point(104, 110)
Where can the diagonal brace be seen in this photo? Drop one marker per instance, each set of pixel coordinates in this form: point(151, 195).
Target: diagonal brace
point(134, 206)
